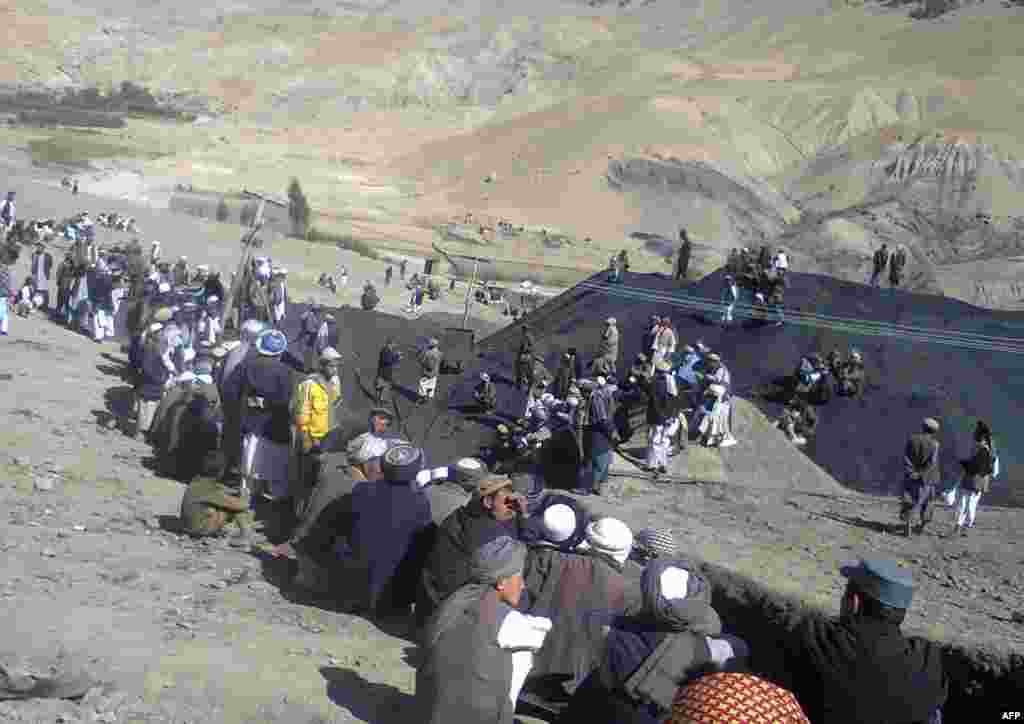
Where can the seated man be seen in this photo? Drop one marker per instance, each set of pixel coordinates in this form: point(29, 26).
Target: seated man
point(861, 668)
point(494, 510)
point(478, 649)
point(798, 421)
point(386, 529)
point(208, 506)
point(675, 623)
point(850, 380)
point(486, 394)
point(314, 537)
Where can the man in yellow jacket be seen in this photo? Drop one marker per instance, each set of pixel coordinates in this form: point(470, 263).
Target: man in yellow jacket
point(314, 416)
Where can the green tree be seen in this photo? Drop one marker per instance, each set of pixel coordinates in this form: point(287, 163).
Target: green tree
point(223, 212)
point(298, 209)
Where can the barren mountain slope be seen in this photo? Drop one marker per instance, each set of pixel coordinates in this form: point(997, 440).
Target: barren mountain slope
point(595, 120)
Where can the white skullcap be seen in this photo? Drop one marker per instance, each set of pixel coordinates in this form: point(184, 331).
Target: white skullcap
point(602, 381)
point(612, 537)
point(717, 390)
point(675, 583)
point(164, 287)
point(559, 523)
point(547, 398)
point(155, 327)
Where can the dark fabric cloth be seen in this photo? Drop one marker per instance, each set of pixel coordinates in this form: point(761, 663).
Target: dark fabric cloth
point(581, 593)
point(388, 517)
point(564, 379)
point(660, 404)
point(270, 379)
point(430, 362)
point(880, 260)
point(978, 470)
point(465, 677)
point(855, 670)
point(653, 682)
point(154, 373)
point(916, 499)
point(47, 263)
point(370, 299)
point(213, 287)
point(921, 459)
point(386, 363)
point(447, 566)
point(328, 514)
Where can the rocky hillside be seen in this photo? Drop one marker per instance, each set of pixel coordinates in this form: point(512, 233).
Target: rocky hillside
point(830, 127)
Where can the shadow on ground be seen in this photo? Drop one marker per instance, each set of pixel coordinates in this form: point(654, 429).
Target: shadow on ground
point(366, 700)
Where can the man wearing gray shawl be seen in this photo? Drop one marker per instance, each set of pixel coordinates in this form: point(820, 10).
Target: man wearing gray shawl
point(648, 655)
point(478, 648)
point(231, 393)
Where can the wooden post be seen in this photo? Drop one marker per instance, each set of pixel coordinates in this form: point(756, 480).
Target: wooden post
point(469, 295)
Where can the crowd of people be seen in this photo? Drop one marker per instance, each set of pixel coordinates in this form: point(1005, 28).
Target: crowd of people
point(520, 591)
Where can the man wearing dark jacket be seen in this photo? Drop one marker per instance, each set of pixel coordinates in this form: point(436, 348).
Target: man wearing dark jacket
point(649, 655)
point(495, 510)
point(151, 382)
point(921, 474)
point(386, 526)
point(683, 260)
point(879, 262)
point(386, 362)
point(860, 668)
point(42, 263)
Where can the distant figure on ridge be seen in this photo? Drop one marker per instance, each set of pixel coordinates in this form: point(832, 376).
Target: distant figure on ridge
point(880, 261)
point(683, 260)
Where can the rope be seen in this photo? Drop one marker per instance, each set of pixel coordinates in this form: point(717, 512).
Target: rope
point(965, 340)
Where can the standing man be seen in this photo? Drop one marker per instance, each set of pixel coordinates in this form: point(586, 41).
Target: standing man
point(386, 362)
point(897, 264)
point(683, 261)
point(314, 408)
point(879, 261)
point(5, 289)
point(777, 297)
point(781, 262)
point(430, 367)
point(921, 469)
point(42, 263)
point(730, 295)
point(279, 296)
point(609, 347)
point(7, 215)
point(861, 668)
point(401, 268)
point(599, 439)
point(661, 417)
point(390, 272)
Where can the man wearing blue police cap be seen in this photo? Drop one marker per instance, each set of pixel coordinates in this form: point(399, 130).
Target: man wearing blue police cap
point(860, 668)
